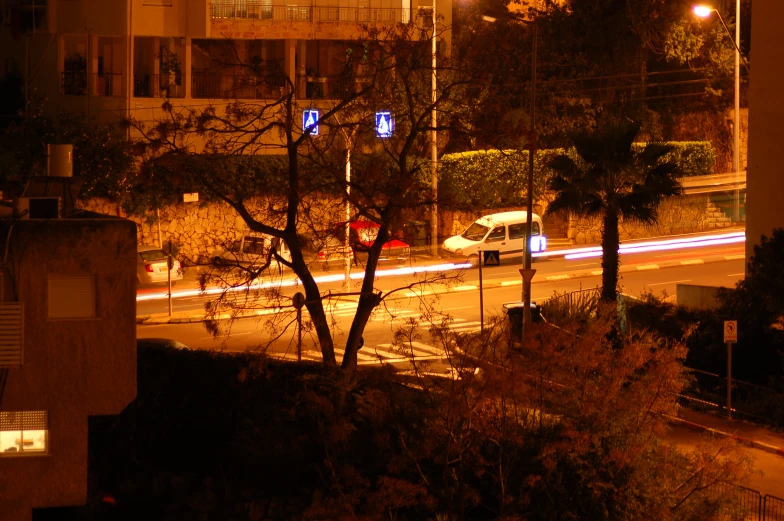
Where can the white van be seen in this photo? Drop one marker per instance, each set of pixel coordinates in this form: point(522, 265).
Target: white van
point(504, 232)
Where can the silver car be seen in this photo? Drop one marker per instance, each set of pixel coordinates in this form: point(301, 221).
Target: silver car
point(152, 268)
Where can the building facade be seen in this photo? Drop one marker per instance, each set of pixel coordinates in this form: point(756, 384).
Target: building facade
point(67, 352)
point(121, 58)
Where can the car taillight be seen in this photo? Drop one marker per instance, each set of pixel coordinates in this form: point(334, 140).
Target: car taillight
point(321, 255)
point(148, 268)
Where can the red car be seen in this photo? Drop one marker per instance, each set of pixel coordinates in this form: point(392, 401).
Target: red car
point(361, 236)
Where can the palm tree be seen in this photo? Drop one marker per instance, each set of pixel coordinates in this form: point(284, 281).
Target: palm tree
point(606, 177)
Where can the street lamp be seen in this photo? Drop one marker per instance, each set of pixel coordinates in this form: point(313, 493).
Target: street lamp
point(527, 273)
point(704, 11)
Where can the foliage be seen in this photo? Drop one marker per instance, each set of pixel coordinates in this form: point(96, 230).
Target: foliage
point(569, 428)
point(497, 178)
point(651, 61)
point(693, 158)
point(102, 155)
point(606, 177)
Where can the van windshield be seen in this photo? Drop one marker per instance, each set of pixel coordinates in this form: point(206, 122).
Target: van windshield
point(475, 232)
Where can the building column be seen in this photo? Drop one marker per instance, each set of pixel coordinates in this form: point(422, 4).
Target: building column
point(302, 53)
point(92, 65)
point(187, 68)
point(155, 81)
point(290, 61)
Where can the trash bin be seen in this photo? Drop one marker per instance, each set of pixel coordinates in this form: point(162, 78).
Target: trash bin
point(416, 233)
point(514, 310)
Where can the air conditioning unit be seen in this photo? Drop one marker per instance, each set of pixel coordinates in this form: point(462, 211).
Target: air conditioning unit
point(39, 207)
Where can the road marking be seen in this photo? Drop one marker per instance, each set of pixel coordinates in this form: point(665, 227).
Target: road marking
point(693, 261)
point(557, 277)
point(735, 274)
point(734, 257)
point(465, 288)
point(671, 282)
point(597, 272)
point(579, 265)
point(511, 283)
point(646, 267)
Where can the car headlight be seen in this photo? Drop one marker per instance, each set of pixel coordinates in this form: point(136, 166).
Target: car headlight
point(459, 251)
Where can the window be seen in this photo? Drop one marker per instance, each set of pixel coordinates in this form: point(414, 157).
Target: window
point(24, 432)
point(498, 234)
point(475, 232)
point(71, 296)
point(517, 231)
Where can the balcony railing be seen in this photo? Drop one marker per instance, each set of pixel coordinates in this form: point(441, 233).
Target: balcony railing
point(73, 83)
point(264, 10)
point(158, 86)
point(328, 87)
point(232, 86)
point(107, 84)
point(11, 335)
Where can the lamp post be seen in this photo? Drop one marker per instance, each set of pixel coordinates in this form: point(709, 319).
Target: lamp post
point(434, 146)
point(527, 272)
point(704, 11)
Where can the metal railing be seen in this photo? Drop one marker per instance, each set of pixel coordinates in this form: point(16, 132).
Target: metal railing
point(748, 400)
point(73, 83)
point(158, 86)
point(108, 84)
point(233, 86)
point(264, 10)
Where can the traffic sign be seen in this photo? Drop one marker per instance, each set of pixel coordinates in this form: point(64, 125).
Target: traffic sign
point(491, 258)
point(527, 274)
point(730, 331)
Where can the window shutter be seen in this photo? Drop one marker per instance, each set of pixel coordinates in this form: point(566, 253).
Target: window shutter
point(71, 296)
point(11, 338)
point(24, 421)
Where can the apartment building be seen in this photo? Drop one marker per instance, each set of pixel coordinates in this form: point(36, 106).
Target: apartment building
point(67, 348)
point(118, 58)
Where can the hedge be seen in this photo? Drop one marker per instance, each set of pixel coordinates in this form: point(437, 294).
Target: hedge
point(497, 178)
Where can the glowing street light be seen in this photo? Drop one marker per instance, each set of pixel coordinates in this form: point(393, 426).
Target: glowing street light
point(703, 11)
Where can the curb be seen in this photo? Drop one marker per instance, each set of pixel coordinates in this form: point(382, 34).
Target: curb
point(772, 449)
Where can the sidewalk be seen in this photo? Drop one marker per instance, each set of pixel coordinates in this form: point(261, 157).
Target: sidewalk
point(749, 434)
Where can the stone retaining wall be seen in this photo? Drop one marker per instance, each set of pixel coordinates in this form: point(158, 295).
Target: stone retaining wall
point(199, 229)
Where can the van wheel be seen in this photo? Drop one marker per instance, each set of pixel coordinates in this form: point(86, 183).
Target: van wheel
point(473, 260)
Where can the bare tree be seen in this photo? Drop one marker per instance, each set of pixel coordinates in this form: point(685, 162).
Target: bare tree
point(388, 71)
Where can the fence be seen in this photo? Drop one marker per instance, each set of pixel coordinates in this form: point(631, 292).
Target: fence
point(745, 504)
point(264, 10)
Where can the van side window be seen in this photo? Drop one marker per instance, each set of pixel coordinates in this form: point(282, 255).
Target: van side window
point(517, 231)
point(498, 234)
point(535, 229)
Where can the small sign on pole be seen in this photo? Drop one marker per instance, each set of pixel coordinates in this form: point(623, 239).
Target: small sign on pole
point(491, 258)
point(730, 337)
point(730, 331)
point(192, 197)
point(527, 274)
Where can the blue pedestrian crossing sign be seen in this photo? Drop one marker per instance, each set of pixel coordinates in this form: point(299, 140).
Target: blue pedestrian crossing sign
point(310, 119)
point(491, 258)
point(385, 124)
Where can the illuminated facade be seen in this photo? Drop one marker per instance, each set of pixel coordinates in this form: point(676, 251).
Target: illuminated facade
point(118, 58)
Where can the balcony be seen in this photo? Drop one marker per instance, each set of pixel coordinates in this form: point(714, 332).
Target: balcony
point(158, 86)
point(235, 86)
point(107, 84)
point(73, 83)
point(264, 10)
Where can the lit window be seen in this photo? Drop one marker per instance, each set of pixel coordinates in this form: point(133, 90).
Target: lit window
point(24, 432)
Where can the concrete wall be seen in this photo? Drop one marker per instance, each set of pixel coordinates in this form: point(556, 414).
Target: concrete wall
point(73, 368)
point(694, 296)
point(765, 175)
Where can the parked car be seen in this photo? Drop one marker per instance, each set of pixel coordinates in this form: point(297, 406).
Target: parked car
point(503, 232)
point(251, 251)
point(152, 266)
point(362, 234)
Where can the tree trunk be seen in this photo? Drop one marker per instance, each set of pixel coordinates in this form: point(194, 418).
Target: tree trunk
point(368, 301)
point(610, 257)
